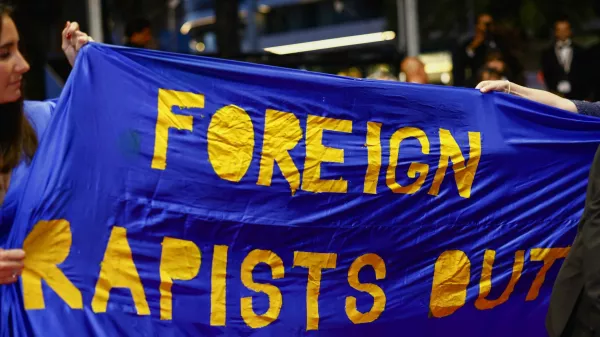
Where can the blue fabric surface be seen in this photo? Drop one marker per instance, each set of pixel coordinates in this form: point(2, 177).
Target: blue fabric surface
point(94, 172)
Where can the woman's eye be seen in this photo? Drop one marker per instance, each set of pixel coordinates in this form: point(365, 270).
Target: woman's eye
point(4, 54)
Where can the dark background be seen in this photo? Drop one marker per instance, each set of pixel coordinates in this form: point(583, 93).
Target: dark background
point(528, 23)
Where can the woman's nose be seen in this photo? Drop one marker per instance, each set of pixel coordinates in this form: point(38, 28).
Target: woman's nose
point(22, 66)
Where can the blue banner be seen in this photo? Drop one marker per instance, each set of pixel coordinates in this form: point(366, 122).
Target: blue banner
point(184, 196)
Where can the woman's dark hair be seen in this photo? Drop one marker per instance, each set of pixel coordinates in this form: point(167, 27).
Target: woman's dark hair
point(18, 139)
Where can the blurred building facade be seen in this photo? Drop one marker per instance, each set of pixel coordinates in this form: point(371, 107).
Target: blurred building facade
point(300, 33)
point(349, 37)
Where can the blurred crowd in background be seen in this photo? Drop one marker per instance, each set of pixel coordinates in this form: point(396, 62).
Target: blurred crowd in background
point(565, 67)
point(552, 45)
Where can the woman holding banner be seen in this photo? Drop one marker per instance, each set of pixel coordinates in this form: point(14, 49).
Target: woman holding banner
point(575, 302)
point(21, 125)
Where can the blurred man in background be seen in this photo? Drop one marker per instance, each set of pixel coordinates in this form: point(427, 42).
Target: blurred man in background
point(471, 55)
point(495, 61)
point(382, 74)
point(564, 65)
point(414, 70)
point(489, 74)
point(354, 72)
point(139, 34)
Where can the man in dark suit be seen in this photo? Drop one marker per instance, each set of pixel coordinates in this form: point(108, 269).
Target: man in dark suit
point(575, 302)
point(564, 65)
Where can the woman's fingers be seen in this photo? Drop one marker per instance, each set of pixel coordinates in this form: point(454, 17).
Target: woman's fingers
point(12, 272)
point(66, 35)
point(72, 40)
point(487, 86)
point(74, 37)
point(81, 39)
point(12, 255)
point(11, 265)
point(6, 281)
point(11, 278)
point(481, 85)
point(65, 41)
point(7, 267)
point(64, 31)
point(69, 34)
point(73, 27)
point(12, 262)
point(490, 86)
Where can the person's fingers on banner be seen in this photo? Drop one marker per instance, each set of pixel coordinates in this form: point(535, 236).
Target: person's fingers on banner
point(64, 35)
point(67, 46)
point(72, 40)
point(488, 86)
point(81, 39)
point(11, 277)
point(12, 255)
point(11, 265)
point(71, 29)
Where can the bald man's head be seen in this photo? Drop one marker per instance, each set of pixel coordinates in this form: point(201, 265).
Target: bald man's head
point(414, 70)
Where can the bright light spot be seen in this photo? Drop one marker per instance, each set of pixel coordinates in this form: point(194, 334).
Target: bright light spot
point(445, 78)
point(264, 9)
point(437, 63)
point(185, 28)
point(388, 35)
point(332, 43)
point(200, 47)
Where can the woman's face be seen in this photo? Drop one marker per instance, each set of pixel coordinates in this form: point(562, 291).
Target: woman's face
point(12, 63)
